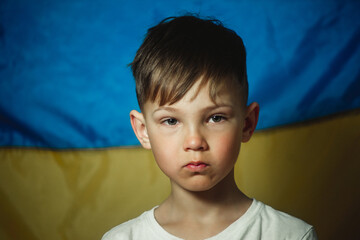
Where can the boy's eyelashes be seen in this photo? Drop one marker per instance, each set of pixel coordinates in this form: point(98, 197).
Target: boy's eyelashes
point(169, 121)
point(215, 118)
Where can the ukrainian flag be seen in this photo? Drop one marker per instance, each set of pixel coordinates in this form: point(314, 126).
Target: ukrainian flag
point(70, 166)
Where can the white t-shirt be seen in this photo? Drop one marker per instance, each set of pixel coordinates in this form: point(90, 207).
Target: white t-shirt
point(259, 222)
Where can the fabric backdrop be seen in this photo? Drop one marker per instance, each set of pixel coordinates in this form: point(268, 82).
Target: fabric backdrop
point(70, 166)
point(65, 81)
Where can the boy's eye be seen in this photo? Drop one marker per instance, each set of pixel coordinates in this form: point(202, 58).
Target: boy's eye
point(170, 121)
point(216, 118)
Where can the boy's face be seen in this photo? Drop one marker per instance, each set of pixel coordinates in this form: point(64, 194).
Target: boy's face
point(195, 141)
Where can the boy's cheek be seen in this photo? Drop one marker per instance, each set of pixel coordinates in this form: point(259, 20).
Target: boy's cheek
point(227, 145)
point(163, 147)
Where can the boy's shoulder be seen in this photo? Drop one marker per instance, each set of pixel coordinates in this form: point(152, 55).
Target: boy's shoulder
point(132, 229)
point(144, 226)
point(275, 224)
point(261, 221)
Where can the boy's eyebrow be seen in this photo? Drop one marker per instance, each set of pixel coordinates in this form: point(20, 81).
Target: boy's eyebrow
point(170, 109)
point(209, 108)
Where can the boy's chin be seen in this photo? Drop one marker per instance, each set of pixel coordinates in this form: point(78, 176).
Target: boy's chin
point(200, 189)
point(197, 187)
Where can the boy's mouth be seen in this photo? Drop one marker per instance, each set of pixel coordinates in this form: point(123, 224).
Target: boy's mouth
point(196, 166)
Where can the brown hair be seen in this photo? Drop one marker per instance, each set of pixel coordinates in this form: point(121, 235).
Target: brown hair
point(181, 50)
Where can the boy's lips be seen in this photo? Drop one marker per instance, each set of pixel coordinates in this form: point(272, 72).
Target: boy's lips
point(196, 166)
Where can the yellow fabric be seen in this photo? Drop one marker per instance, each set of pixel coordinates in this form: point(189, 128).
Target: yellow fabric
point(310, 171)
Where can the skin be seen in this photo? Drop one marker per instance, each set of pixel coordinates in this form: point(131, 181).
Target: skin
point(196, 142)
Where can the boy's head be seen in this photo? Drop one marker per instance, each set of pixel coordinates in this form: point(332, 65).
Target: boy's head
point(179, 51)
point(192, 88)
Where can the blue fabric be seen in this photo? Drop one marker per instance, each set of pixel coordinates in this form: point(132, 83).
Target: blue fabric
point(64, 82)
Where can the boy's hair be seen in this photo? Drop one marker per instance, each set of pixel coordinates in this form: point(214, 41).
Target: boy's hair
point(181, 50)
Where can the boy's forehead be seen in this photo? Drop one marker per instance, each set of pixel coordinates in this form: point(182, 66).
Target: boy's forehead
point(227, 94)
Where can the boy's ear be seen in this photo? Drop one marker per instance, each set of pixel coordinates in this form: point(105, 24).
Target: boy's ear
point(138, 124)
point(251, 119)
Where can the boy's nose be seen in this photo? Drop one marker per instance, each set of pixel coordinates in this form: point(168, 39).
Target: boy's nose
point(195, 141)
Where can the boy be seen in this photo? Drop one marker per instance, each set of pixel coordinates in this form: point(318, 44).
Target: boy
point(192, 89)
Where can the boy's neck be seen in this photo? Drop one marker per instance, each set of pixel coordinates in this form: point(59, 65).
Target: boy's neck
point(225, 196)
